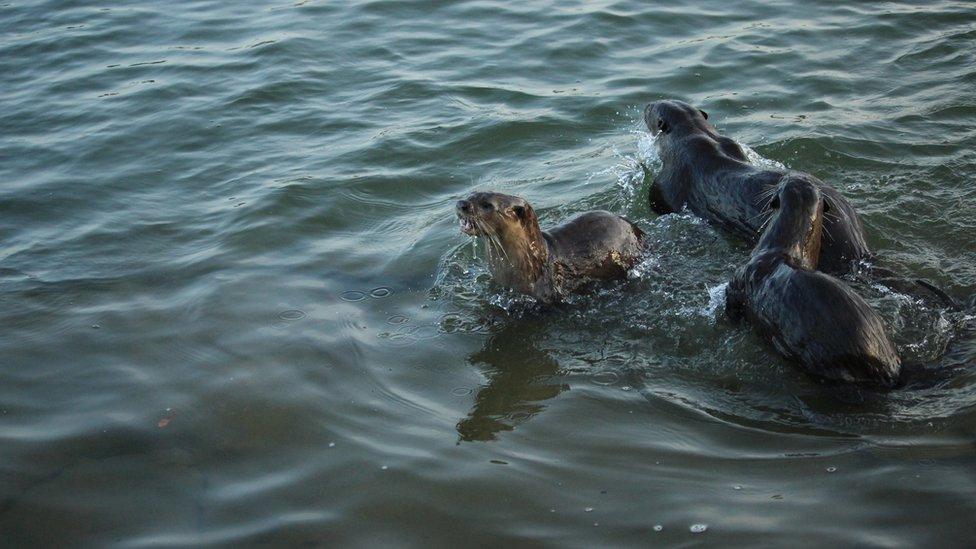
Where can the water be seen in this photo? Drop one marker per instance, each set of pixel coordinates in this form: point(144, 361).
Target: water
point(236, 309)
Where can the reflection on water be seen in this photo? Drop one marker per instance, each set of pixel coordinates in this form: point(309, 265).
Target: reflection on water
point(236, 310)
point(520, 378)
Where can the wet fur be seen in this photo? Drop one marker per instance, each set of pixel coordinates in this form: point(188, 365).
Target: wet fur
point(549, 265)
point(810, 317)
point(710, 175)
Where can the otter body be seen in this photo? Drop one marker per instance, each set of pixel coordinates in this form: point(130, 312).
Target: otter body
point(810, 317)
point(595, 245)
point(711, 175)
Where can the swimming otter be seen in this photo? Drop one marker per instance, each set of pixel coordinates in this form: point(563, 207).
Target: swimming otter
point(809, 316)
point(712, 176)
point(548, 265)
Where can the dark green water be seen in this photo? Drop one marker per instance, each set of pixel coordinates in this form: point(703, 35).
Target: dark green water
point(236, 308)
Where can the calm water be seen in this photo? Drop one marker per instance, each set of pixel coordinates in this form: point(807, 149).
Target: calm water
point(236, 308)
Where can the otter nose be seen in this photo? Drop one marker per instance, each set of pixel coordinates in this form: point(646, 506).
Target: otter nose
point(463, 206)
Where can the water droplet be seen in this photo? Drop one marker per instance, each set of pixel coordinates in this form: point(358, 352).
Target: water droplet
point(552, 510)
point(737, 487)
point(698, 528)
point(332, 445)
point(588, 509)
point(380, 292)
point(626, 387)
point(96, 326)
point(292, 315)
point(831, 469)
point(658, 527)
point(384, 467)
point(352, 295)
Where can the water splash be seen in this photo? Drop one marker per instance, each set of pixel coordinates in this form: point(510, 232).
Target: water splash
point(716, 300)
point(649, 263)
point(759, 160)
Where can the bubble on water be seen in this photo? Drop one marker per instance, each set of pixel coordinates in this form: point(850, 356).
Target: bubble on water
point(658, 527)
point(831, 469)
point(461, 391)
point(606, 378)
point(352, 295)
point(399, 338)
point(384, 467)
point(380, 292)
point(588, 509)
point(737, 487)
point(626, 388)
point(397, 319)
point(450, 323)
point(332, 445)
point(292, 315)
point(698, 528)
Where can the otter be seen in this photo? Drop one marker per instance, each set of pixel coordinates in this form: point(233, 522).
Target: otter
point(809, 316)
point(711, 175)
point(596, 245)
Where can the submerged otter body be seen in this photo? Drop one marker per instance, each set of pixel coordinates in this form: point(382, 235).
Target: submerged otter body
point(549, 265)
point(711, 175)
point(809, 316)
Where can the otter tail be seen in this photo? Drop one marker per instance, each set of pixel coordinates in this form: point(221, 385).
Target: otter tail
point(910, 286)
point(949, 301)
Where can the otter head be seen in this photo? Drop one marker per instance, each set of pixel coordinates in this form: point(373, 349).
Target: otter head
point(494, 214)
point(796, 224)
point(675, 118)
point(516, 250)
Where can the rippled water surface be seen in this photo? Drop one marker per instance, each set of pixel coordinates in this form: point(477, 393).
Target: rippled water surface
point(236, 308)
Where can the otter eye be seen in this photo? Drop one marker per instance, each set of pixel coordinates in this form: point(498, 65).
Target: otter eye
point(775, 203)
point(663, 126)
point(704, 114)
point(826, 206)
point(519, 211)
point(488, 206)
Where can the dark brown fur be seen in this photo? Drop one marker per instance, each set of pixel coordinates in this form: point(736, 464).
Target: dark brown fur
point(810, 317)
point(595, 245)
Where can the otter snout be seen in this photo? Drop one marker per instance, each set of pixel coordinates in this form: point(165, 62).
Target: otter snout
point(463, 209)
point(650, 119)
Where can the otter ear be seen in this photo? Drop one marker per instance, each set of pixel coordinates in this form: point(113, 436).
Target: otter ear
point(663, 126)
point(523, 212)
point(519, 211)
point(703, 113)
